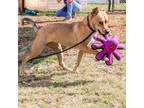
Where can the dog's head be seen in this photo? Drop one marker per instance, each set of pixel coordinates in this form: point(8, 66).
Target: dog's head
point(99, 21)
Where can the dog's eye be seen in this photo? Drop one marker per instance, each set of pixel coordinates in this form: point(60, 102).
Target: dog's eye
point(101, 23)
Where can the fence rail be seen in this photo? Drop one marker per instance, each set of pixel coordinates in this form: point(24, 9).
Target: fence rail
point(116, 5)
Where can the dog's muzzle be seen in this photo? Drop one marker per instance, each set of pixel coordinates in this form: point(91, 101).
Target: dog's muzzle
point(106, 32)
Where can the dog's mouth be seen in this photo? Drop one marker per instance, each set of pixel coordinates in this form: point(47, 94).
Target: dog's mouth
point(101, 33)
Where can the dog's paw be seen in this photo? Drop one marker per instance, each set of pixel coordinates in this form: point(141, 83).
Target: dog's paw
point(68, 69)
point(75, 71)
point(25, 72)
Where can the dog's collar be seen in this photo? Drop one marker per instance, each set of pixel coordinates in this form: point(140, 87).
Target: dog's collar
point(89, 24)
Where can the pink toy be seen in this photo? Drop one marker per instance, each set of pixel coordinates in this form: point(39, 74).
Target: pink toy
point(109, 47)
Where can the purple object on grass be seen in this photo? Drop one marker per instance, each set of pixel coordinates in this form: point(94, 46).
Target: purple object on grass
point(109, 46)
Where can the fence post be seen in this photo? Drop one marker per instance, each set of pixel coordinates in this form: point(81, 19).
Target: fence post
point(109, 5)
point(23, 8)
point(113, 2)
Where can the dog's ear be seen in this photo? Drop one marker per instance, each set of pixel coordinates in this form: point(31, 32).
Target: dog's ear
point(95, 11)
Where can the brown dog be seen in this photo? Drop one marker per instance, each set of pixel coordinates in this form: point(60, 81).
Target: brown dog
point(55, 35)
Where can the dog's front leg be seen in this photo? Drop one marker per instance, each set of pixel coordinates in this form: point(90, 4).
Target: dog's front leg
point(57, 48)
point(78, 60)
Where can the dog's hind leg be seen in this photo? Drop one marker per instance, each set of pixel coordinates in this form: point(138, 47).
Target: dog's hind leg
point(80, 55)
point(57, 48)
point(36, 49)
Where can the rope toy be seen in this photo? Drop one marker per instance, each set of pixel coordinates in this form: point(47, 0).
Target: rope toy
point(109, 48)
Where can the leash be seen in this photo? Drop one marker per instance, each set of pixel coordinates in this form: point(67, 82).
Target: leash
point(38, 57)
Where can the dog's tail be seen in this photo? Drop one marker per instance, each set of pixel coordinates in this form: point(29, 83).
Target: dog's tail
point(30, 20)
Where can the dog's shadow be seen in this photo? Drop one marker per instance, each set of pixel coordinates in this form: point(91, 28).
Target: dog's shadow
point(47, 81)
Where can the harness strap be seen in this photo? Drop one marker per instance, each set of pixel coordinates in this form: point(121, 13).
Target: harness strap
point(89, 24)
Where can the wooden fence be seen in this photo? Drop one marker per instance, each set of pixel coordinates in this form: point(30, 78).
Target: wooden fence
point(46, 5)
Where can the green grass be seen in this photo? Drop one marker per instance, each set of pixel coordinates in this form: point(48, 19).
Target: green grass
point(25, 36)
point(122, 41)
point(91, 6)
point(120, 6)
point(46, 13)
point(53, 86)
point(52, 57)
point(80, 14)
point(52, 13)
point(26, 28)
point(36, 61)
point(19, 60)
point(22, 13)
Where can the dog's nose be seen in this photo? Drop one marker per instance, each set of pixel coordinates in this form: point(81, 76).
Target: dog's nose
point(107, 31)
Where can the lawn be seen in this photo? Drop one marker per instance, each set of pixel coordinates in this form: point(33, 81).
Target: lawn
point(95, 85)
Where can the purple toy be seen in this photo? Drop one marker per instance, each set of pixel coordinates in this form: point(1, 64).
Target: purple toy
point(109, 47)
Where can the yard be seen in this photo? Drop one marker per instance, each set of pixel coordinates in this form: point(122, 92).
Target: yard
point(47, 85)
